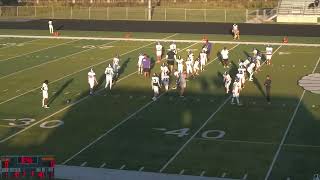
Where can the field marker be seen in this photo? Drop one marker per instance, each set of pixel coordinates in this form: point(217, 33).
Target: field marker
point(48, 62)
point(2, 60)
point(288, 128)
point(141, 169)
point(20, 43)
point(122, 167)
point(181, 172)
point(202, 173)
point(224, 175)
point(83, 164)
point(5, 90)
point(202, 126)
point(86, 68)
point(245, 177)
point(103, 165)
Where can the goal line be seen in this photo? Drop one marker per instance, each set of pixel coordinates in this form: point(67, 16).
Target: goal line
point(160, 40)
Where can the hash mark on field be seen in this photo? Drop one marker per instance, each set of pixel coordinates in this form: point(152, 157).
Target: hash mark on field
point(122, 167)
point(103, 165)
point(223, 174)
point(5, 90)
point(245, 177)
point(141, 169)
point(181, 172)
point(83, 164)
point(202, 173)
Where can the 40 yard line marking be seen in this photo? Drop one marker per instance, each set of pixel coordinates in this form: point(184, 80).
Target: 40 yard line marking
point(86, 68)
point(2, 60)
point(288, 129)
point(77, 102)
point(201, 127)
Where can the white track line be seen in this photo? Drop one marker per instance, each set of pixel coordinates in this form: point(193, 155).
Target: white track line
point(86, 68)
point(288, 129)
point(72, 104)
point(164, 40)
point(116, 126)
point(45, 63)
point(194, 135)
point(2, 60)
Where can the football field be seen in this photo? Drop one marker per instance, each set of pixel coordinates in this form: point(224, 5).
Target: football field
point(201, 134)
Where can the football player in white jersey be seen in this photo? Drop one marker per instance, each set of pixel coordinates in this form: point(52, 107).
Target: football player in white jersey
point(203, 59)
point(227, 81)
point(155, 84)
point(225, 57)
point(159, 52)
point(255, 52)
point(189, 66)
point(235, 93)
point(140, 68)
point(179, 61)
point(250, 70)
point(247, 62)
point(258, 62)
point(92, 80)
point(269, 51)
point(165, 81)
point(173, 47)
point(109, 76)
point(241, 77)
point(190, 56)
point(164, 70)
point(50, 26)
point(196, 67)
point(45, 94)
point(235, 32)
point(116, 66)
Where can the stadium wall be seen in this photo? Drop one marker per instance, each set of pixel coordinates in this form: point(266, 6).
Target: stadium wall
point(167, 27)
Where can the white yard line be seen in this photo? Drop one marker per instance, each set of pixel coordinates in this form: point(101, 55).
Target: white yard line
point(20, 43)
point(164, 40)
point(76, 102)
point(288, 129)
point(58, 59)
point(2, 60)
point(201, 127)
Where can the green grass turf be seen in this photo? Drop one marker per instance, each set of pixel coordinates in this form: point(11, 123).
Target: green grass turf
point(252, 132)
point(181, 36)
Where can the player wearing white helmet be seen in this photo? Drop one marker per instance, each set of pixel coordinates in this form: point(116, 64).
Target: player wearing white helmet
point(190, 56)
point(159, 51)
point(155, 84)
point(203, 59)
point(225, 57)
point(258, 62)
point(116, 66)
point(109, 76)
point(92, 80)
point(189, 65)
point(179, 61)
point(196, 66)
point(255, 52)
point(165, 81)
point(164, 70)
point(227, 81)
point(269, 51)
point(173, 47)
point(250, 70)
point(140, 68)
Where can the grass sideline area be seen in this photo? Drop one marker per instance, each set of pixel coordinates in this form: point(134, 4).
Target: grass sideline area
point(201, 134)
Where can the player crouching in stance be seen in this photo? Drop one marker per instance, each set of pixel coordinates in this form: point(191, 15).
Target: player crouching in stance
point(250, 70)
point(155, 84)
point(236, 92)
point(92, 80)
point(109, 76)
point(140, 67)
point(227, 81)
point(235, 32)
point(45, 94)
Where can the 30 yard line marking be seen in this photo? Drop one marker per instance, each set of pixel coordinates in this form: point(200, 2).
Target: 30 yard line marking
point(86, 68)
point(2, 60)
point(201, 127)
point(288, 129)
point(76, 102)
point(48, 62)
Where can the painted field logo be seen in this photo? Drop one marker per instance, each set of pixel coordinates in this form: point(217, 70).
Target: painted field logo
point(311, 83)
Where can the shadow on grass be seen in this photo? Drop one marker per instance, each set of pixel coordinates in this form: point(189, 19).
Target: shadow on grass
point(58, 93)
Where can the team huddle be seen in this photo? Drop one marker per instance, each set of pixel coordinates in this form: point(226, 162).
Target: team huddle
point(246, 67)
point(179, 69)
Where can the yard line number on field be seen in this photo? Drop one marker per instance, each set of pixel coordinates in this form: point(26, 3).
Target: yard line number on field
point(77, 102)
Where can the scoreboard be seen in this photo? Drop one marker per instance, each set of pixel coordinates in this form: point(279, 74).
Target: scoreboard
point(27, 166)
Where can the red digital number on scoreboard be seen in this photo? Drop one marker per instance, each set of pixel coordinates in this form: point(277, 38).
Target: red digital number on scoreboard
point(26, 160)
